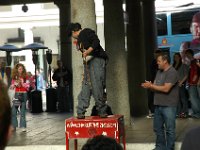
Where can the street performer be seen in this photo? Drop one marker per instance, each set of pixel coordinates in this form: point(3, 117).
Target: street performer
point(94, 69)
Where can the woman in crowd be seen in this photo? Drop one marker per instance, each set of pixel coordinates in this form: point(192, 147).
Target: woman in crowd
point(20, 83)
point(182, 69)
point(31, 79)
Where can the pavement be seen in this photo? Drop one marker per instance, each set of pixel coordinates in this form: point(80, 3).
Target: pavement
point(46, 131)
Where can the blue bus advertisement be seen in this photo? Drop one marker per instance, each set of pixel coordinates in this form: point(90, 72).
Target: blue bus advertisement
point(178, 30)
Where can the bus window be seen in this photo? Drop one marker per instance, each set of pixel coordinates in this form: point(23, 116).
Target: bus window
point(181, 22)
point(161, 20)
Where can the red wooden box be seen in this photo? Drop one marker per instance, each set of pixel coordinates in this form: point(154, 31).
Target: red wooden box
point(112, 126)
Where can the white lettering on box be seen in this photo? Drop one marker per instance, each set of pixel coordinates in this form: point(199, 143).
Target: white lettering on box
point(91, 125)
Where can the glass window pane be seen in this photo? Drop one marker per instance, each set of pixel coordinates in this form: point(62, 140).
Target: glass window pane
point(181, 22)
point(161, 20)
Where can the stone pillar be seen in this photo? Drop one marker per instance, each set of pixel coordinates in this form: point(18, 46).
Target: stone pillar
point(141, 44)
point(150, 38)
point(117, 81)
point(65, 41)
point(82, 11)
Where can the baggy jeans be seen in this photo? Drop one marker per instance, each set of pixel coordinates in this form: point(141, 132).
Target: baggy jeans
point(93, 84)
point(22, 112)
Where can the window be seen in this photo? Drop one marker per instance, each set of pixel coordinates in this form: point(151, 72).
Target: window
point(181, 22)
point(161, 20)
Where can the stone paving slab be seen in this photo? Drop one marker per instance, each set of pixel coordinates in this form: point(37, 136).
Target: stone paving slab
point(47, 131)
point(129, 146)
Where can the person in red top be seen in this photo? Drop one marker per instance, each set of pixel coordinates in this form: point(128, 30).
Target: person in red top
point(193, 79)
point(21, 85)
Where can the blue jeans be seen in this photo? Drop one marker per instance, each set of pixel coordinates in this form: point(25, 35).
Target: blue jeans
point(22, 112)
point(195, 100)
point(164, 127)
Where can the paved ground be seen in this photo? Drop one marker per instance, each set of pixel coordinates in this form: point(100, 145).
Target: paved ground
point(45, 131)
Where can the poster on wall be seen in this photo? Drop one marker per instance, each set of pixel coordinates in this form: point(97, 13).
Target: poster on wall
point(179, 30)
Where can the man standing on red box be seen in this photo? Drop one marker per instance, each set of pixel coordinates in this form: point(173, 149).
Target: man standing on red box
point(94, 69)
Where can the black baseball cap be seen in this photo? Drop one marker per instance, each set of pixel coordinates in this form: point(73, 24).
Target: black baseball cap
point(73, 27)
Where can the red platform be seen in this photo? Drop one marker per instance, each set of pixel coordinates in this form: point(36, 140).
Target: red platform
point(112, 126)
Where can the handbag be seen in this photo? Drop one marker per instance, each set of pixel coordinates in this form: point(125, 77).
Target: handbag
point(17, 99)
point(16, 102)
point(11, 94)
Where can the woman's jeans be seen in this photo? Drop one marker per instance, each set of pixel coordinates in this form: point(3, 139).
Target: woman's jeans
point(164, 127)
point(183, 101)
point(21, 110)
point(195, 100)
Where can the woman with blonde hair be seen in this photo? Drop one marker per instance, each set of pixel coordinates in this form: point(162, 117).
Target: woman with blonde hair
point(21, 85)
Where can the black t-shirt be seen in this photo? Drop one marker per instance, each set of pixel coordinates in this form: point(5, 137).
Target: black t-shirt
point(87, 38)
point(67, 75)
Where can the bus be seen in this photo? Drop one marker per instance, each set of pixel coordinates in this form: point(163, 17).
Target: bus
point(173, 27)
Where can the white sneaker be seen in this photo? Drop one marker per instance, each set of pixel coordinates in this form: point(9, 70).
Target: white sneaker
point(150, 116)
point(23, 129)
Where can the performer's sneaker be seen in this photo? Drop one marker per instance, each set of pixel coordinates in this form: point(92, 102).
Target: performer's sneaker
point(81, 116)
point(103, 115)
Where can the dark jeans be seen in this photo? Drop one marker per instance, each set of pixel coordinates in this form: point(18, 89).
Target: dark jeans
point(183, 101)
point(64, 104)
point(195, 100)
point(164, 127)
point(151, 101)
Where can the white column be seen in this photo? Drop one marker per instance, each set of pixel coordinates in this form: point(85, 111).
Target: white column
point(28, 39)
